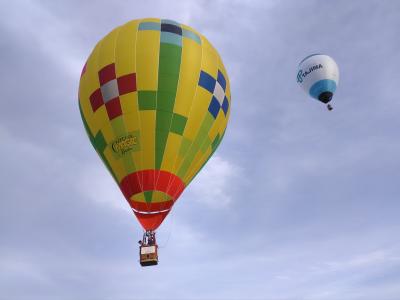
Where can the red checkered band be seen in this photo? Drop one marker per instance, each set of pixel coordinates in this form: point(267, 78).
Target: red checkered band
point(111, 87)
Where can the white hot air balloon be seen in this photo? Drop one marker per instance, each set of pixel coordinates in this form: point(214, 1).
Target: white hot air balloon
point(318, 75)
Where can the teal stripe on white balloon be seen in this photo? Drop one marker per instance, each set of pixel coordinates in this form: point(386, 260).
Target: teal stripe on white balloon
point(325, 85)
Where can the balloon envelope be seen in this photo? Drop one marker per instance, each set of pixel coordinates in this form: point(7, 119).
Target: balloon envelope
point(154, 98)
point(318, 75)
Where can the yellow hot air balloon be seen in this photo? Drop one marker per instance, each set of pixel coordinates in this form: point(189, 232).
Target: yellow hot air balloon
point(155, 100)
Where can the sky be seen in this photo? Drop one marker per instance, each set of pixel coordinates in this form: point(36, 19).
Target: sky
point(297, 202)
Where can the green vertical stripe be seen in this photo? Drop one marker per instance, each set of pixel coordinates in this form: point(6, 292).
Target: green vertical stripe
point(148, 195)
point(168, 76)
point(215, 143)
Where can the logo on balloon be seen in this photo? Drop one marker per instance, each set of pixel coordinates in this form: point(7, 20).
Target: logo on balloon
point(301, 74)
point(125, 144)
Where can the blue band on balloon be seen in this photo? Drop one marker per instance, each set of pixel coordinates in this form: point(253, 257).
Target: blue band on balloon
point(171, 38)
point(172, 22)
point(325, 85)
point(149, 26)
point(191, 35)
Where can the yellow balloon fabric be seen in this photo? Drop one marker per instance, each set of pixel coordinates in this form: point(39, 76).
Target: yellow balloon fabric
point(155, 100)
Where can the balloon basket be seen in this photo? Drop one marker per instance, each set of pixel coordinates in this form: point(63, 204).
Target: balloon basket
point(148, 250)
point(148, 255)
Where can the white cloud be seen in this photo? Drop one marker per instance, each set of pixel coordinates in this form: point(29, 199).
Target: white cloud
point(364, 260)
point(96, 184)
point(44, 31)
point(16, 265)
point(214, 184)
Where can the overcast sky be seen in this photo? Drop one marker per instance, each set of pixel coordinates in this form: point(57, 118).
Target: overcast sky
point(297, 203)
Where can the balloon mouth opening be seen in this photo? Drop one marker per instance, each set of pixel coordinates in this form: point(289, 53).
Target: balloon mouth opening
point(325, 97)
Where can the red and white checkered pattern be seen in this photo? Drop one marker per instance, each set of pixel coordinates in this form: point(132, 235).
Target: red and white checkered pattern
point(110, 89)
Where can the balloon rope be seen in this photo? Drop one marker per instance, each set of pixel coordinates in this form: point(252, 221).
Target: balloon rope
point(170, 230)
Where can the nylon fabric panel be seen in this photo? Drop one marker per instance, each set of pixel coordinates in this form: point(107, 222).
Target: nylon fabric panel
point(100, 119)
point(196, 145)
point(169, 67)
point(147, 53)
point(107, 64)
point(131, 121)
point(201, 152)
point(189, 76)
point(222, 69)
point(171, 152)
point(187, 85)
point(125, 64)
point(147, 131)
point(198, 111)
point(107, 50)
point(198, 162)
point(116, 165)
point(125, 56)
point(147, 58)
point(209, 62)
point(199, 159)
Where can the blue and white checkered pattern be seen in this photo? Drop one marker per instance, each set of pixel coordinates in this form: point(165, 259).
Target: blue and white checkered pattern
point(217, 87)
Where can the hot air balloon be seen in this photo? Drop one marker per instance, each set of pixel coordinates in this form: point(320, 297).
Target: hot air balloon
point(318, 75)
point(155, 100)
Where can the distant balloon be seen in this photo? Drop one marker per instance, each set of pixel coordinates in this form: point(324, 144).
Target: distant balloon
point(318, 75)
